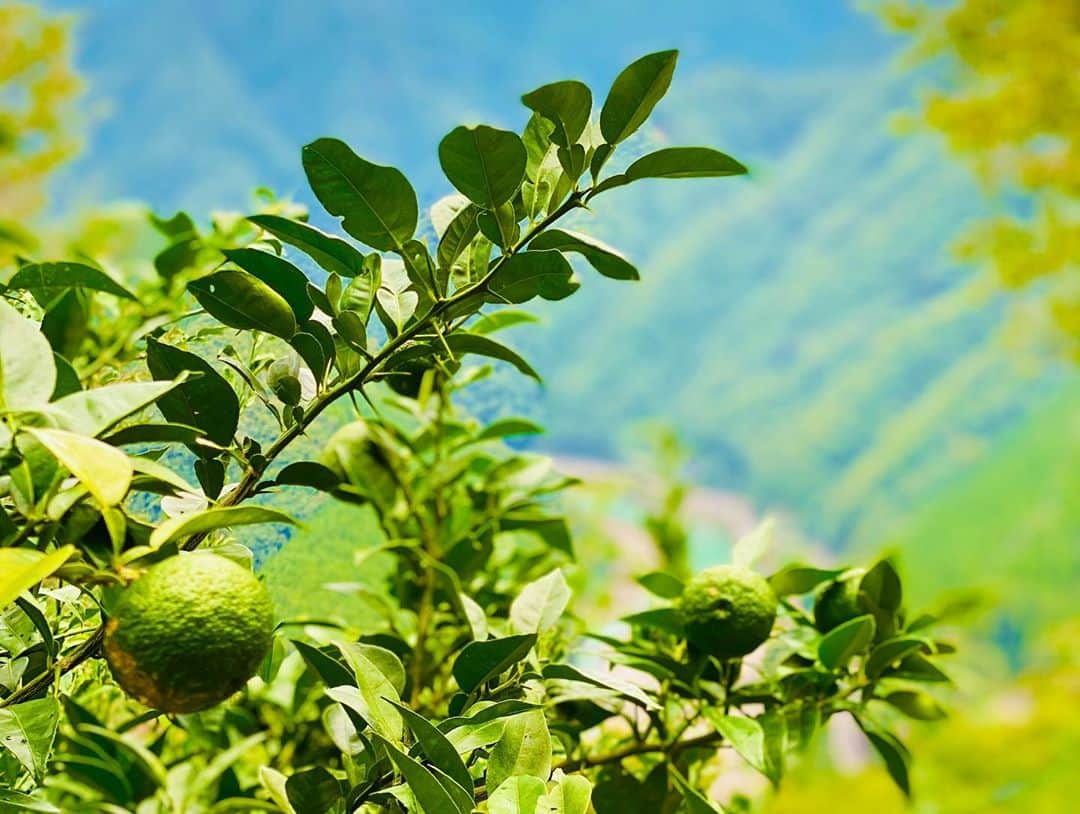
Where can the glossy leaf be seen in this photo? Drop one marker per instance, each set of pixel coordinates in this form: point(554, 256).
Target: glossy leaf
point(28, 730)
point(439, 751)
point(206, 400)
point(843, 643)
point(533, 274)
point(566, 104)
point(27, 370)
point(185, 525)
point(243, 301)
point(481, 661)
point(601, 257)
point(484, 164)
point(684, 162)
point(524, 749)
point(331, 253)
point(278, 273)
point(634, 94)
point(429, 792)
point(377, 204)
point(540, 604)
point(518, 795)
point(96, 411)
point(661, 584)
point(465, 343)
point(23, 568)
point(313, 791)
point(54, 276)
point(459, 233)
point(105, 471)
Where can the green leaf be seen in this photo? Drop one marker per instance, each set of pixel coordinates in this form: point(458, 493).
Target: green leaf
point(843, 643)
point(278, 273)
point(635, 93)
point(54, 276)
point(684, 162)
point(881, 585)
point(745, 736)
point(892, 651)
point(243, 301)
point(526, 275)
point(96, 411)
point(377, 204)
point(498, 710)
point(601, 257)
point(28, 730)
point(308, 473)
point(359, 294)
point(463, 343)
point(105, 471)
point(313, 791)
point(372, 698)
point(694, 801)
point(507, 427)
point(27, 370)
point(332, 671)
point(313, 353)
point(631, 692)
point(481, 661)
point(206, 401)
point(498, 320)
point(800, 579)
point(386, 661)
point(484, 164)
point(539, 606)
point(916, 704)
point(429, 792)
point(566, 104)
point(893, 752)
point(572, 794)
point(661, 584)
point(23, 568)
point(518, 795)
point(753, 546)
point(186, 525)
point(524, 749)
point(274, 782)
point(331, 253)
point(457, 237)
point(24, 802)
point(439, 751)
point(67, 380)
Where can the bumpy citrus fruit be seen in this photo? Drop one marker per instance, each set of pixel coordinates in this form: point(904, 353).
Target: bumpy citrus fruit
point(839, 602)
point(727, 611)
point(189, 632)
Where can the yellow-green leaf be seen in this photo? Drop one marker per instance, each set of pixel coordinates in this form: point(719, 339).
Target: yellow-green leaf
point(104, 470)
point(23, 568)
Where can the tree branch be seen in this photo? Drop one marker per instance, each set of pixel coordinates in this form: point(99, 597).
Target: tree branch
point(251, 477)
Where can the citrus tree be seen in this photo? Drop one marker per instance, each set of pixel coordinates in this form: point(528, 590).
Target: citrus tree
point(139, 430)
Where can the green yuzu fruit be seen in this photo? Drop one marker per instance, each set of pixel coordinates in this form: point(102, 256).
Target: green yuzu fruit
point(727, 611)
point(839, 601)
point(189, 632)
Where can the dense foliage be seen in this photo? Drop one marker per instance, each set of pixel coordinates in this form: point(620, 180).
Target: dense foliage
point(1011, 107)
point(478, 688)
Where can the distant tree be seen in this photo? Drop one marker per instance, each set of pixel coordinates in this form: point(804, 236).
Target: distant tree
point(1012, 108)
point(38, 87)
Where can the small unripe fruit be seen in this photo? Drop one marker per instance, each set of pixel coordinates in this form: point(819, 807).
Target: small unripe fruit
point(727, 611)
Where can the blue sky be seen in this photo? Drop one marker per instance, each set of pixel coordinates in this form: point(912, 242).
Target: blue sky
point(230, 90)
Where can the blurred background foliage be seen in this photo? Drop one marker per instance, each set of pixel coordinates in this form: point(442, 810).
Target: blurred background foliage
point(882, 365)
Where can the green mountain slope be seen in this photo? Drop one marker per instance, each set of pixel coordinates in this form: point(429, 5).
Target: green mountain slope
point(805, 330)
point(1010, 527)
